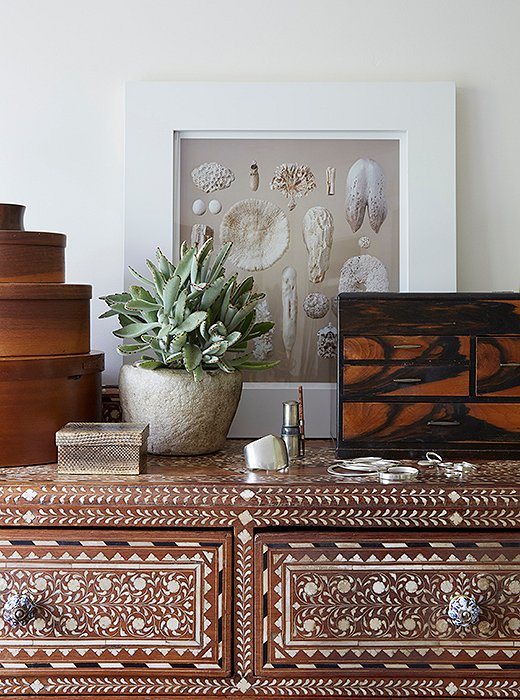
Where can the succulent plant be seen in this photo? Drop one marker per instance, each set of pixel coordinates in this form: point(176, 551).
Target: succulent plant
point(189, 316)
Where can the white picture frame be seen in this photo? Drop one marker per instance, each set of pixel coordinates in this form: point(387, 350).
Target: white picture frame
point(420, 115)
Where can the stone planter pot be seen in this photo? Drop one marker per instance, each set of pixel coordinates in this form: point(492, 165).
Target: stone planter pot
point(185, 417)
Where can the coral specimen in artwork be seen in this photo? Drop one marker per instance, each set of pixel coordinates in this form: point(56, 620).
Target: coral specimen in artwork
point(318, 229)
point(330, 180)
point(327, 342)
point(263, 345)
point(259, 231)
point(363, 273)
point(210, 177)
point(365, 191)
point(254, 177)
point(293, 181)
point(200, 233)
point(364, 242)
point(289, 309)
point(316, 305)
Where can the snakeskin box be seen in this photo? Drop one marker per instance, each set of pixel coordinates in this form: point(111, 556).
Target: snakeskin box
point(102, 448)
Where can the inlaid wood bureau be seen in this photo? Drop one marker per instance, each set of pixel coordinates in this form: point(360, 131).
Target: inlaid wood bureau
point(199, 578)
point(429, 372)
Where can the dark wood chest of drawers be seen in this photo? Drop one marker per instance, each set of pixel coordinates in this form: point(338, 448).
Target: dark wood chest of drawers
point(422, 372)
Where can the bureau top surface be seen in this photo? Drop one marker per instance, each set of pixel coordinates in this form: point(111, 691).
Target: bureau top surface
point(227, 468)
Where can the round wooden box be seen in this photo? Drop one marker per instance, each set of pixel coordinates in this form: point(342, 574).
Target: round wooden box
point(44, 319)
point(38, 396)
point(32, 256)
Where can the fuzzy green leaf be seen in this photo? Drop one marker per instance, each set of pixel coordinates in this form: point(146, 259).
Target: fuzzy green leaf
point(149, 364)
point(171, 293)
point(184, 267)
point(192, 356)
point(191, 322)
point(134, 330)
point(211, 293)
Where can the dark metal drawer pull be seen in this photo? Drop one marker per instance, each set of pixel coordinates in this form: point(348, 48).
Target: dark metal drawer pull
point(443, 422)
point(510, 364)
point(409, 380)
point(406, 347)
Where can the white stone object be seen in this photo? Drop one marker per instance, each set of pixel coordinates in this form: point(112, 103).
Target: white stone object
point(254, 177)
point(259, 231)
point(210, 177)
point(316, 305)
point(327, 342)
point(289, 309)
point(330, 180)
point(215, 206)
point(200, 233)
point(185, 417)
point(363, 273)
point(364, 242)
point(293, 181)
point(263, 346)
point(198, 207)
point(365, 191)
point(318, 231)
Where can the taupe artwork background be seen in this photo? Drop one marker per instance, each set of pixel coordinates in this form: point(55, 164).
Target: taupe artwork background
point(318, 154)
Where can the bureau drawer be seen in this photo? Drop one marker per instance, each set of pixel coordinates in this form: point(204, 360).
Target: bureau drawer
point(406, 380)
point(142, 599)
point(378, 602)
point(498, 366)
point(430, 423)
point(423, 348)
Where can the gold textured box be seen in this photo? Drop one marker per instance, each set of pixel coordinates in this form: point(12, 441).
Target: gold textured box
point(102, 448)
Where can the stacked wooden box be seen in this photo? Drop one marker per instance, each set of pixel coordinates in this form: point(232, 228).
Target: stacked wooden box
point(48, 375)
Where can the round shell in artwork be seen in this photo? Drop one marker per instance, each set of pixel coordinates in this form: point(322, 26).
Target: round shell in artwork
point(363, 241)
point(259, 231)
point(198, 207)
point(363, 273)
point(215, 207)
point(210, 177)
point(316, 305)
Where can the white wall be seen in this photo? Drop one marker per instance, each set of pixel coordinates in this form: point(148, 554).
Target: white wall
point(64, 64)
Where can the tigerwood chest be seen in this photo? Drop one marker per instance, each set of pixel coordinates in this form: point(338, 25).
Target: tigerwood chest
point(200, 578)
point(424, 372)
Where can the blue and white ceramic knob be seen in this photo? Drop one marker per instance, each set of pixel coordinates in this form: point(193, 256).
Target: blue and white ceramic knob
point(463, 611)
point(19, 609)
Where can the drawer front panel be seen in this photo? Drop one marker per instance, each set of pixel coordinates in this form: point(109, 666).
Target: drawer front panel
point(430, 422)
point(135, 598)
point(406, 380)
point(401, 347)
point(498, 366)
point(380, 600)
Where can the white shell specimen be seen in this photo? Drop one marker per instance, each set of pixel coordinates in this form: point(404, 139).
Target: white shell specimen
point(210, 177)
point(365, 190)
point(200, 234)
point(215, 207)
point(327, 342)
point(364, 242)
point(293, 181)
point(363, 273)
point(330, 180)
point(318, 229)
point(289, 309)
point(198, 207)
point(254, 177)
point(259, 231)
point(316, 305)
point(263, 346)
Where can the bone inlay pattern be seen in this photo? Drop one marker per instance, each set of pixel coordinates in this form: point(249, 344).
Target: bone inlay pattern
point(369, 604)
point(116, 603)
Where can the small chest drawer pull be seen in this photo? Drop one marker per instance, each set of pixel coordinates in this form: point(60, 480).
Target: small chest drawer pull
point(463, 611)
point(443, 422)
point(405, 346)
point(408, 380)
point(19, 609)
point(510, 364)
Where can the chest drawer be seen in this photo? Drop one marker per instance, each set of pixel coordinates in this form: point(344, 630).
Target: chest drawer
point(378, 602)
point(140, 598)
point(430, 423)
point(498, 366)
point(406, 380)
point(422, 348)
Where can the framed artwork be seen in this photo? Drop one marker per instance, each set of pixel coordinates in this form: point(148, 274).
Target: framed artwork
point(181, 135)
